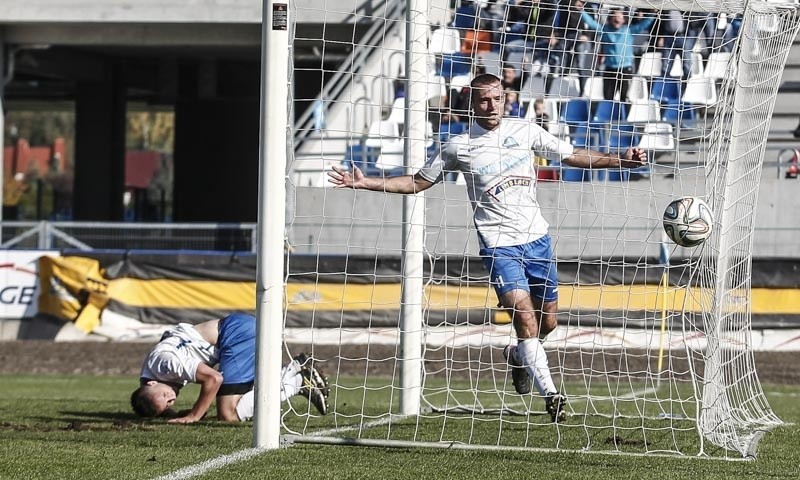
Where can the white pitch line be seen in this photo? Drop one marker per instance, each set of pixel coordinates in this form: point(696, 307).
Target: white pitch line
point(235, 457)
point(212, 464)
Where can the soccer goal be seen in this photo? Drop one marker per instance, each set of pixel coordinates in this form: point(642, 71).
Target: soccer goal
point(653, 347)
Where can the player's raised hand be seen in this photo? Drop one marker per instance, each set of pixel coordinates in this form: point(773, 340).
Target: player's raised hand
point(633, 157)
point(341, 178)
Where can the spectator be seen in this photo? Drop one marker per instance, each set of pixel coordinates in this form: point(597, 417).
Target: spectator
point(616, 38)
point(541, 116)
point(677, 36)
point(512, 108)
point(511, 78)
point(568, 32)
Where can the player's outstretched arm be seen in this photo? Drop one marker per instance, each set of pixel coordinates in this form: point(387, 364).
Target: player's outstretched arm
point(210, 381)
point(584, 158)
point(341, 178)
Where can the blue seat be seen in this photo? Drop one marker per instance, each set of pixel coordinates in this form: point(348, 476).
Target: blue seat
point(575, 112)
point(609, 111)
point(666, 90)
point(465, 18)
point(448, 129)
point(681, 115)
point(453, 64)
point(607, 115)
point(621, 137)
point(357, 155)
point(570, 174)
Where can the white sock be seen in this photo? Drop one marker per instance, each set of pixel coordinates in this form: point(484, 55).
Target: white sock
point(246, 406)
point(292, 383)
point(531, 354)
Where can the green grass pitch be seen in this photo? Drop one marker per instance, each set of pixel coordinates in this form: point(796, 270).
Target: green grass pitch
point(76, 427)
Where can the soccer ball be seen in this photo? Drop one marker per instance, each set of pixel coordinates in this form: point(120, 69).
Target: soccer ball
point(688, 221)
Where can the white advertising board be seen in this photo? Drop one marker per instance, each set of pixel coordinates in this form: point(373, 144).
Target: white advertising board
point(19, 282)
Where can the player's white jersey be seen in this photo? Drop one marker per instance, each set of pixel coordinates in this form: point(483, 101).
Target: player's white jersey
point(176, 357)
point(501, 180)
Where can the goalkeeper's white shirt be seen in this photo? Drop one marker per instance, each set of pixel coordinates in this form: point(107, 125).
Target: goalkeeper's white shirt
point(501, 180)
point(176, 357)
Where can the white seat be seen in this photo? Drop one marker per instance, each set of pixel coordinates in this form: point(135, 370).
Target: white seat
point(642, 112)
point(559, 130)
point(593, 88)
point(677, 67)
point(445, 40)
point(533, 87)
point(398, 112)
point(638, 91)
point(436, 88)
point(657, 136)
point(460, 81)
point(568, 86)
point(717, 67)
point(382, 132)
point(391, 155)
point(697, 64)
point(650, 64)
point(700, 91)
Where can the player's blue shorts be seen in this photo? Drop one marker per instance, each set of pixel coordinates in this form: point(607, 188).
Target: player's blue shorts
point(237, 353)
point(528, 267)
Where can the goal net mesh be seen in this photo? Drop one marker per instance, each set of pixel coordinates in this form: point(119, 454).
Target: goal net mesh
point(653, 347)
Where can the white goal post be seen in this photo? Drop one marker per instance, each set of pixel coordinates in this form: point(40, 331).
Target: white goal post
point(388, 293)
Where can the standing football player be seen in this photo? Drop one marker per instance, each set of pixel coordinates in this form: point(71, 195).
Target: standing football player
point(496, 159)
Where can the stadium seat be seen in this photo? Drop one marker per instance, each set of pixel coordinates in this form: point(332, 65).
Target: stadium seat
point(717, 67)
point(657, 136)
point(700, 91)
point(398, 112)
point(621, 137)
point(609, 111)
point(391, 155)
point(460, 81)
point(448, 129)
point(570, 174)
point(676, 70)
point(445, 40)
point(697, 64)
point(641, 112)
point(575, 114)
point(436, 87)
point(682, 115)
point(465, 17)
point(476, 41)
point(650, 64)
point(565, 87)
point(453, 64)
point(533, 86)
point(381, 132)
point(491, 62)
point(360, 156)
point(593, 88)
point(666, 91)
point(638, 90)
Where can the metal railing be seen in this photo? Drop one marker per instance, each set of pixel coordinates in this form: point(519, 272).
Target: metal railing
point(226, 237)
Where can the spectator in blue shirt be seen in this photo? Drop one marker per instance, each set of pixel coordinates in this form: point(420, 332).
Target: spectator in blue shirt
point(616, 44)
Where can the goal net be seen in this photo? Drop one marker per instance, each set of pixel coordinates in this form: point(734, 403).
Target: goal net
point(388, 292)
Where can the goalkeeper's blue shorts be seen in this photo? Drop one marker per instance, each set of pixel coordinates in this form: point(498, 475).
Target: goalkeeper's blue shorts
point(237, 353)
point(528, 267)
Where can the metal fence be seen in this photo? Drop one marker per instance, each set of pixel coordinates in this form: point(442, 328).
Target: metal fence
point(227, 237)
